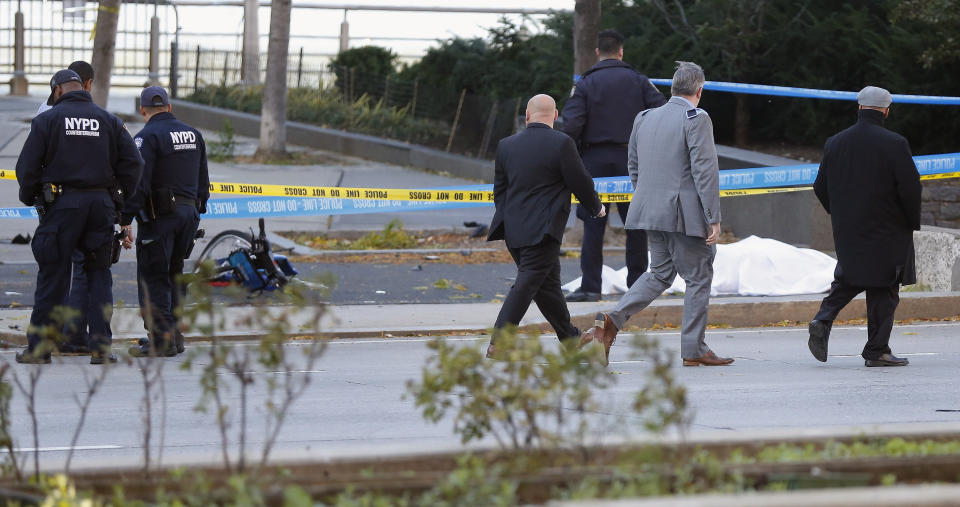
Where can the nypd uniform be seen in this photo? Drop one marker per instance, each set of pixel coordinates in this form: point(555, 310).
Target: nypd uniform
point(167, 205)
point(599, 117)
point(84, 151)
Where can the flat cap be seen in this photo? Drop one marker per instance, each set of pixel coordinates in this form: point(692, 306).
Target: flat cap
point(871, 96)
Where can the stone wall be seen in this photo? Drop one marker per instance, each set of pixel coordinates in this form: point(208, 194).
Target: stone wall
point(941, 203)
point(938, 258)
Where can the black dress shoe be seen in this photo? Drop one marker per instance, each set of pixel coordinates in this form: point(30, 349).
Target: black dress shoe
point(887, 360)
point(149, 351)
point(579, 296)
point(819, 336)
point(28, 357)
point(101, 358)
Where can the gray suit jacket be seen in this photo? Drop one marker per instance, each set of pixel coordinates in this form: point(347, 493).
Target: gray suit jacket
point(673, 165)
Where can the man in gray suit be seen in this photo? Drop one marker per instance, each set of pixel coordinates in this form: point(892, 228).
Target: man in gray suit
point(673, 166)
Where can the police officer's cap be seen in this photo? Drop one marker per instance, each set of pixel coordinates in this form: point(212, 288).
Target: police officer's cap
point(61, 77)
point(871, 96)
point(154, 96)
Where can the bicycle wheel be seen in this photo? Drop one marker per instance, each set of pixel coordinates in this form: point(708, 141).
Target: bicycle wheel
point(221, 246)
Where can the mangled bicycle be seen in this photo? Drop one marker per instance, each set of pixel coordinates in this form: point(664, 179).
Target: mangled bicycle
point(247, 260)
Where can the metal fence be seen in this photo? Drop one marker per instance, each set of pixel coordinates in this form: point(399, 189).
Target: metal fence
point(59, 32)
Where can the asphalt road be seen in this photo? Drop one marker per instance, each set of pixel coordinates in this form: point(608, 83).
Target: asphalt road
point(356, 402)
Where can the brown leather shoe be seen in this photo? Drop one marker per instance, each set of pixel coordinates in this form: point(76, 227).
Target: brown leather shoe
point(604, 332)
point(708, 359)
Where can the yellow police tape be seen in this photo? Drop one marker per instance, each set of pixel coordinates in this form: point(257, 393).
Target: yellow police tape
point(434, 195)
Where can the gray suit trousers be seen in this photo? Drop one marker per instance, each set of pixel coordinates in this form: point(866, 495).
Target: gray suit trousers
point(672, 253)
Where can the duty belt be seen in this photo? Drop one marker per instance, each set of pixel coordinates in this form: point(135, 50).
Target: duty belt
point(182, 199)
point(65, 189)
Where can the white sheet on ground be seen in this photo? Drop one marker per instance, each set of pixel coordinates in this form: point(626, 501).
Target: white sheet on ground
point(750, 267)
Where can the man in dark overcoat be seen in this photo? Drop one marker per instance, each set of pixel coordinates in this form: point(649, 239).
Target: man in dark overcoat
point(870, 186)
point(535, 172)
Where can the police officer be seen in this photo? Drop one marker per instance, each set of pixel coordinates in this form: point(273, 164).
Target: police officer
point(167, 205)
point(599, 117)
point(76, 330)
point(75, 153)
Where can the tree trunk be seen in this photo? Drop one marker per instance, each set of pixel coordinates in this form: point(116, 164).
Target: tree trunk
point(251, 43)
point(104, 46)
point(273, 115)
point(586, 26)
point(741, 127)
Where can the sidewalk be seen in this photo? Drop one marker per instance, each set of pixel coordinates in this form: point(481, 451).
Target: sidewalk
point(379, 321)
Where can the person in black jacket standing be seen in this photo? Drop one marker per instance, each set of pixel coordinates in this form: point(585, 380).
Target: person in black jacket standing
point(536, 170)
point(168, 203)
point(75, 153)
point(599, 117)
point(870, 186)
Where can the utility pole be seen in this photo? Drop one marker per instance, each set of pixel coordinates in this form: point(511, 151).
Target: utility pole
point(586, 26)
point(250, 71)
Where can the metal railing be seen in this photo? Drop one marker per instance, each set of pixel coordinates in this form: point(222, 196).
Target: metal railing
point(55, 33)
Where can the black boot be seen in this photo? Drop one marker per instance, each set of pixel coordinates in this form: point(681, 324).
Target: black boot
point(29, 357)
point(178, 341)
point(164, 349)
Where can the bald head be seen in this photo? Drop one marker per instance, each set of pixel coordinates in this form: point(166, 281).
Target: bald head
point(541, 109)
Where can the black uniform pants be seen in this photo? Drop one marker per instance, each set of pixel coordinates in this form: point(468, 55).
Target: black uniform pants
point(606, 161)
point(161, 247)
point(79, 221)
point(76, 331)
point(538, 280)
point(881, 304)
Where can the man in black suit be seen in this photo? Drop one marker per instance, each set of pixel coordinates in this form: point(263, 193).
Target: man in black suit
point(536, 170)
point(869, 185)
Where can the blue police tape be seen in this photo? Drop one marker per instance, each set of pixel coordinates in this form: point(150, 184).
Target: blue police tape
point(812, 93)
point(730, 179)
point(805, 174)
point(18, 213)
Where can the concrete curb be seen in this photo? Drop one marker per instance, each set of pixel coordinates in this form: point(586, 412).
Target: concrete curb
point(939, 495)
